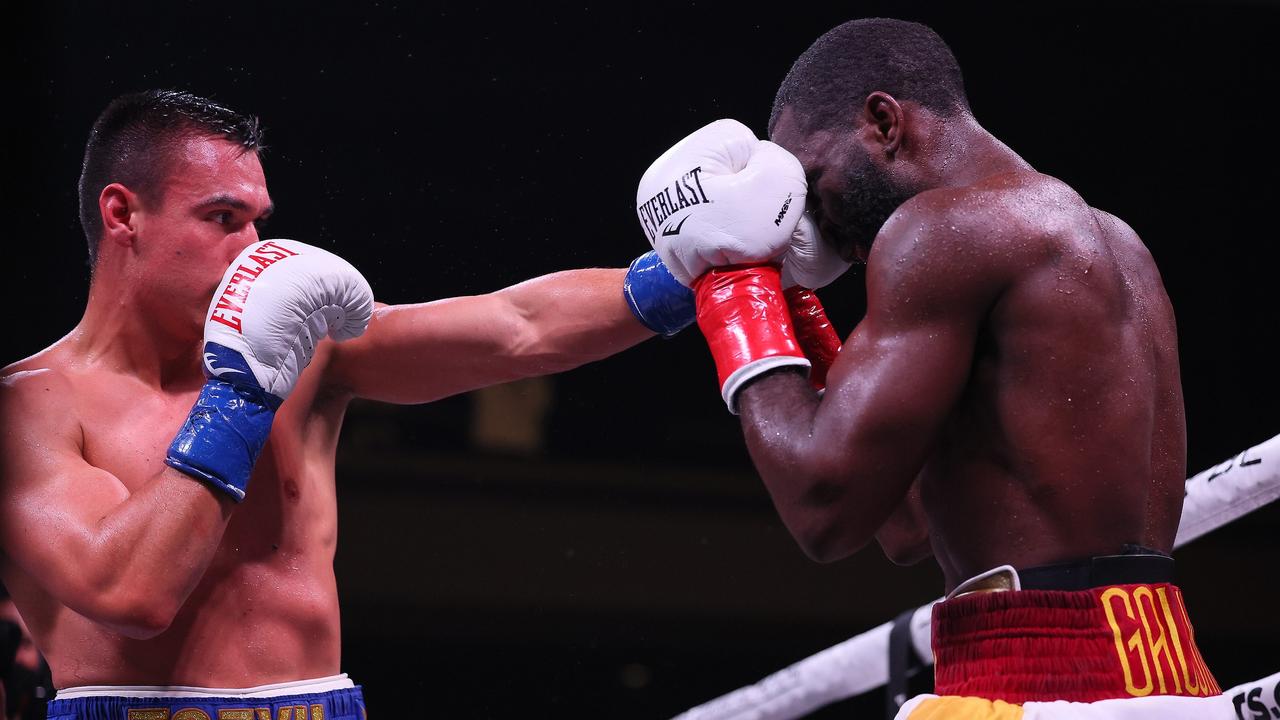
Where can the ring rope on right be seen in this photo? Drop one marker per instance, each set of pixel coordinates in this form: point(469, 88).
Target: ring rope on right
point(1214, 498)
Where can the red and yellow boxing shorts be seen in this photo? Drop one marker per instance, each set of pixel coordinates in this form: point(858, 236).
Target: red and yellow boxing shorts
point(1256, 699)
point(1111, 641)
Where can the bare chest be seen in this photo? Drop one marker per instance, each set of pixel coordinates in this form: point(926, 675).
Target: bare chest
point(127, 434)
point(291, 499)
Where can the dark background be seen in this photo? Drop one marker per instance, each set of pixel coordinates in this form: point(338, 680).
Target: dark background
point(629, 564)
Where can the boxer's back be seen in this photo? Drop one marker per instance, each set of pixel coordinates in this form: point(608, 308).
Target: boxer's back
point(266, 608)
point(1069, 440)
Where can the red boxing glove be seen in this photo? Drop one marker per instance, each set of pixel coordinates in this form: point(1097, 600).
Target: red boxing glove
point(744, 316)
point(813, 329)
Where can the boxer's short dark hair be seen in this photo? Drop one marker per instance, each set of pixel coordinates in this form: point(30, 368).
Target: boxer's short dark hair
point(131, 143)
point(828, 83)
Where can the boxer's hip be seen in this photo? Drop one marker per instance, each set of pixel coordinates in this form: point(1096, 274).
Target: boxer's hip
point(331, 698)
point(1103, 628)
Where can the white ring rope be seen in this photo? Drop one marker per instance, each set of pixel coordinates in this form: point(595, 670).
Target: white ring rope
point(1215, 497)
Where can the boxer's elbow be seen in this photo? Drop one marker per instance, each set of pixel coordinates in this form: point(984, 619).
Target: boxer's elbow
point(142, 621)
point(827, 542)
point(143, 628)
point(139, 613)
point(826, 528)
point(904, 545)
point(904, 553)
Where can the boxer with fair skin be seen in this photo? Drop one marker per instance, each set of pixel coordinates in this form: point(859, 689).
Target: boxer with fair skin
point(1011, 398)
point(132, 572)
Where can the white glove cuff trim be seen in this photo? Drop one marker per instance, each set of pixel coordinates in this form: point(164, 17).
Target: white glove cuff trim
point(740, 376)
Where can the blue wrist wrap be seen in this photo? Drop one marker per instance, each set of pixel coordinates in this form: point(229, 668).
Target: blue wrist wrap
point(227, 427)
point(656, 298)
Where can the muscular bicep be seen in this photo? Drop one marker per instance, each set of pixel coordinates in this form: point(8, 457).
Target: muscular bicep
point(425, 351)
point(122, 551)
point(838, 466)
point(52, 498)
point(899, 379)
point(904, 368)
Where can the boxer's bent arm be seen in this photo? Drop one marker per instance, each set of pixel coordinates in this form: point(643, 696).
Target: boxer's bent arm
point(419, 353)
point(838, 467)
point(126, 560)
point(904, 536)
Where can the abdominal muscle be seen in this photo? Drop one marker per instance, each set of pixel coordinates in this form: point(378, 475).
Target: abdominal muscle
point(250, 621)
point(266, 609)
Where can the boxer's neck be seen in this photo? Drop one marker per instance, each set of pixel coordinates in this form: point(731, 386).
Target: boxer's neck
point(121, 333)
point(959, 152)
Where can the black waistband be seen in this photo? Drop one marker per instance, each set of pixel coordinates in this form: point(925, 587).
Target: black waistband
point(1099, 571)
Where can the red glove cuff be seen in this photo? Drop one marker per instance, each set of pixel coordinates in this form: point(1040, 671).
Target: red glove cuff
point(814, 332)
point(744, 316)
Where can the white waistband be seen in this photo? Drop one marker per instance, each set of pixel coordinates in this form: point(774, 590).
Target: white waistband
point(1011, 581)
point(298, 687)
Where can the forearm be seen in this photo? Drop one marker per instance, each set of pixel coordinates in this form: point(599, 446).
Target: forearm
point(777, 413)
point(423, 352)
point(136, 566)
point(569, 318)
point(830, 502)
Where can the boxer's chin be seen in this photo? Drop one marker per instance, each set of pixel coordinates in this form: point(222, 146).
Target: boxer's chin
point(867, 202)
point(853, 241)
point(850, 248)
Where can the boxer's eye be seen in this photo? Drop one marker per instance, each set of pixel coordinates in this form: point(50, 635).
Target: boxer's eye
point(222, 217)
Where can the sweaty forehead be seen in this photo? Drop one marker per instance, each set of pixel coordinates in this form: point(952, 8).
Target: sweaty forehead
point(205, 166)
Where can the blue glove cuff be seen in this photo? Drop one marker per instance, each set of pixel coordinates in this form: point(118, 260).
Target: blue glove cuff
point(656, 298)
point(221, 439)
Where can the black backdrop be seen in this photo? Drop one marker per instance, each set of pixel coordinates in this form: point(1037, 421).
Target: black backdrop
point(630, 565)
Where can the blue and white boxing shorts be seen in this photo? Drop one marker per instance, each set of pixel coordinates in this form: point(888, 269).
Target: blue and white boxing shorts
point(330, 698)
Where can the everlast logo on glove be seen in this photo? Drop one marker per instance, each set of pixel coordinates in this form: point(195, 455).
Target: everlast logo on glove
point(677, 196)
point(230, 305)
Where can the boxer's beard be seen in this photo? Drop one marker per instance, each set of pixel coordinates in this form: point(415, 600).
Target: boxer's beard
point(868, 200)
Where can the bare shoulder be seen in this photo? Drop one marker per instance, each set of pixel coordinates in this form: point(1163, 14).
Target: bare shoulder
point(36, 396)
point(1116, 225)
point(989, 231)
point(31, 379)
point(975, 237)
point(1124, 237)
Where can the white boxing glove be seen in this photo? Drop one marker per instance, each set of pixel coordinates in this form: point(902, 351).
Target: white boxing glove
point(811, 262)
point(277, 300)
point(720, 197)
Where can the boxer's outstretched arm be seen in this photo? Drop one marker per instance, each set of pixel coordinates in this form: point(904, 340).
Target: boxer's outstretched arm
point(124, 559)
point(419, 353)
point(838, 466)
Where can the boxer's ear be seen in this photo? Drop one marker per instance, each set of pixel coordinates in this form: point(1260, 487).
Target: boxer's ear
point(118, 207)
point(885, 120)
